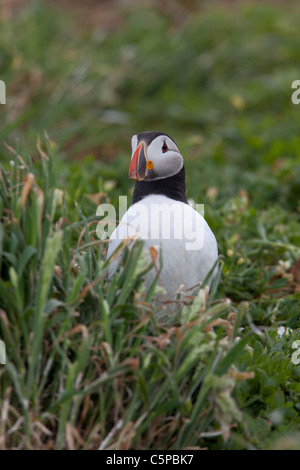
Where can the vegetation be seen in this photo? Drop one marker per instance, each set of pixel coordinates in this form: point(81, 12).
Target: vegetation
point(89, 364)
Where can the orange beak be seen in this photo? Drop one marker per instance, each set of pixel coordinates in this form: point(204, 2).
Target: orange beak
point(137, 169)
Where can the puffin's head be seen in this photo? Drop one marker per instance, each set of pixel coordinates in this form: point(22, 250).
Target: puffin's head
point(154, 156)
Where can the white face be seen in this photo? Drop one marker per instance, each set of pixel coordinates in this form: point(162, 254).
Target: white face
point(163, 155)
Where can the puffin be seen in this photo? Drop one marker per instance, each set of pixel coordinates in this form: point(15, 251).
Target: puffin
point(185, 246)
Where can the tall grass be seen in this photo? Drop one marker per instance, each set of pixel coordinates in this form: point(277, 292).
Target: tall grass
point(86, 357)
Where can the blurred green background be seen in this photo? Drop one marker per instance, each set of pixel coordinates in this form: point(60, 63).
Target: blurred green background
point(216, 76)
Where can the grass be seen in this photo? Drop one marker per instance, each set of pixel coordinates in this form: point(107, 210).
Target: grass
point(89, 364)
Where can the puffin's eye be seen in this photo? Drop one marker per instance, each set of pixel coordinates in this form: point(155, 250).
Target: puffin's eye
point(164, 147)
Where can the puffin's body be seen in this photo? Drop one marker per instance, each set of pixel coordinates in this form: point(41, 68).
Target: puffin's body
point(161, 216)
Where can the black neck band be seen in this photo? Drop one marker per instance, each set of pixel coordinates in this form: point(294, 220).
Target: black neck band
point(172, 187)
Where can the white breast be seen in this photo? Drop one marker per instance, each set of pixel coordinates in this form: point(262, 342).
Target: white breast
point(188, 246)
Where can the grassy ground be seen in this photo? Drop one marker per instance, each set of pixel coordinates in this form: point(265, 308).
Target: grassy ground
point(88, 364)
